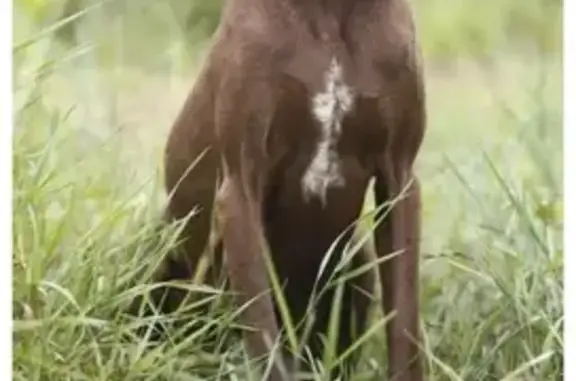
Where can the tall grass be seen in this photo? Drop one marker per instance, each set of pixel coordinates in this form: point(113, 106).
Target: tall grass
point(87, 196)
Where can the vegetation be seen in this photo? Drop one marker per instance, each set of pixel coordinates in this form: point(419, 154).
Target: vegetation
point(96, 88)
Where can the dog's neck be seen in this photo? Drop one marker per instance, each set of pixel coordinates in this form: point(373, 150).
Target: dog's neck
point(308, 9)
point(322, 17)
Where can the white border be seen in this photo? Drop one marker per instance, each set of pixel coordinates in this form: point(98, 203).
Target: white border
point(6, 189)
point(569, 191)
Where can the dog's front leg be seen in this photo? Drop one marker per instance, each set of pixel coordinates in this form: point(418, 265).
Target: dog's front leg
point(240, 212)
point(399, 236)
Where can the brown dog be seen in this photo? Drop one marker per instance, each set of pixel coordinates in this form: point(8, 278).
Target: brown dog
point(299, 105)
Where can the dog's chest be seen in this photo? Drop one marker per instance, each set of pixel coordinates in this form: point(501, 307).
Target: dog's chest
point(331, 108)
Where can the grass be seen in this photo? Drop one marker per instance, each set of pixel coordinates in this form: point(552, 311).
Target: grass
point(87, 194)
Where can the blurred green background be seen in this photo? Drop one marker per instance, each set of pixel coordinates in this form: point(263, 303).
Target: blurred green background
point(96, 87)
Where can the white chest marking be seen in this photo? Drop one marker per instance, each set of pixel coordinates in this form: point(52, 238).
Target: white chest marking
point(329, 108)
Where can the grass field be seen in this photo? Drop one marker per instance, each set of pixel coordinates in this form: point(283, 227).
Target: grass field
point(89, 130)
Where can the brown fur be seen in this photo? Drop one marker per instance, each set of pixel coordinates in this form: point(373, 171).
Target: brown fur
point(250, 108)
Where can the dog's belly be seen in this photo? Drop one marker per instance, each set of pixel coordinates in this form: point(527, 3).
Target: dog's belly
point(300, 230)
